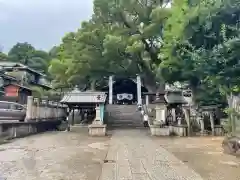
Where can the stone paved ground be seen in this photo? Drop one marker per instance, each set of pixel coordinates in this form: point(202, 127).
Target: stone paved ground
point(205, 155)
point(134, 155)
point(53, 156)
point(129, 155)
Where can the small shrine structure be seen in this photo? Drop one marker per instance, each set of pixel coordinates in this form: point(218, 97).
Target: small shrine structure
point(170, 115)
point(77, 99)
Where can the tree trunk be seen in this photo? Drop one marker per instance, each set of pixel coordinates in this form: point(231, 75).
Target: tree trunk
point(194, 93)
point(152, 85)
point(93, 85)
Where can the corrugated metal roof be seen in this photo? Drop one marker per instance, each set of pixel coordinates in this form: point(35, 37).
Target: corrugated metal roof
point(77, 96)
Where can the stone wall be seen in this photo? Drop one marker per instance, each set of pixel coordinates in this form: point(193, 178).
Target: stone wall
point(11, 130)
point(44, 110)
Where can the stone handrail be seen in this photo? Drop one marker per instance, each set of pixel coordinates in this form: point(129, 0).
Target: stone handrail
point(39, 110)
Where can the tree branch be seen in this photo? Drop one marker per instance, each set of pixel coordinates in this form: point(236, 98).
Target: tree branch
point(153, 55)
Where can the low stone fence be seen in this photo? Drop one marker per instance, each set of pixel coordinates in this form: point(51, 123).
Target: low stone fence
point(11, 130)
point(179, 130)
point(40, 110)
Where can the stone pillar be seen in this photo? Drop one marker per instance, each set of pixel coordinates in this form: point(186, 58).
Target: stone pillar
point(97, 119)
point(147, 100)
point(201, 121)
point(44, 109)
point(29, 108)
point(173, 110)
point(212, 123)
point(110, 85)
point(186, 110)
point(37, 104)
point(139, 90)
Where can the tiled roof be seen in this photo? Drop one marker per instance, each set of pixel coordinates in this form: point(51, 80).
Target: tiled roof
point(77, 96)
point(21, 66)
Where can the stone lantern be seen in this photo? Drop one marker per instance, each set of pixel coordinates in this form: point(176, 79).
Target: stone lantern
point(158, 128)
point(160, 109)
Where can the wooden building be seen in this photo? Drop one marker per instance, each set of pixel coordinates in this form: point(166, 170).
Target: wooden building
point(17, 80)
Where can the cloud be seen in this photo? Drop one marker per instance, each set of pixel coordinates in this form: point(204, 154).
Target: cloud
point(40, 22)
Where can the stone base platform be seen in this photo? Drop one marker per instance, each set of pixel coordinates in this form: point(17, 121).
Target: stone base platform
point(218, 130)
point(178, 130)
point(97, 129)
point(156, 130)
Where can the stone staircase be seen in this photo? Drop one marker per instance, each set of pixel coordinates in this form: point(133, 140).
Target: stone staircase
point(123, 116)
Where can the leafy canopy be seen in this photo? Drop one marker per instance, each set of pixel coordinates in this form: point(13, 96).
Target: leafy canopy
point(201, 44)
point(122, 38)
point(26, 54)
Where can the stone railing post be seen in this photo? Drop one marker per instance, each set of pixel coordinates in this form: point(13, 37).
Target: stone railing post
point(57, 117)
point(186, 110)
point(35, 109)
point(201, 121)
point(44, 109)
point(51, 110)
point(41, 110)
point(212, 122)
point(38, 116)
point(29, 108)
point(173, 110)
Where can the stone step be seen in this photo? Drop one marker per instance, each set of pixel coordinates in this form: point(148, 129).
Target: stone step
point(124, 116)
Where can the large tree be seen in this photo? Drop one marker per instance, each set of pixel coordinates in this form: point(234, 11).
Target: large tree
point(21, 52)
point(3, 56)
point(26, 54)
point(200, 44)
point(122, 38)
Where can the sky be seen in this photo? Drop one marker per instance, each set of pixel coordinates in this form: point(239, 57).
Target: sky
point(41, 23)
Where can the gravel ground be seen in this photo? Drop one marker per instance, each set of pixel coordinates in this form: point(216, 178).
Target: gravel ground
point(204, 155)
point(53, 156)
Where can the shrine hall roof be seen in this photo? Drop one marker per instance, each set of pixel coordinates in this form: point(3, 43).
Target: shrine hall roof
point(77, 97)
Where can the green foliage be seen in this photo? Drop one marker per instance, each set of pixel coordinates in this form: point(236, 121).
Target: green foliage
point(41, 93)
point(3, 57)
point(37, 91)
point(201, 45)
point(21, 52)
point(26, 54)
point(122, 38)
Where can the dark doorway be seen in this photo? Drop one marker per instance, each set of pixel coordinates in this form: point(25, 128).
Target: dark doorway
point(125, 91)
